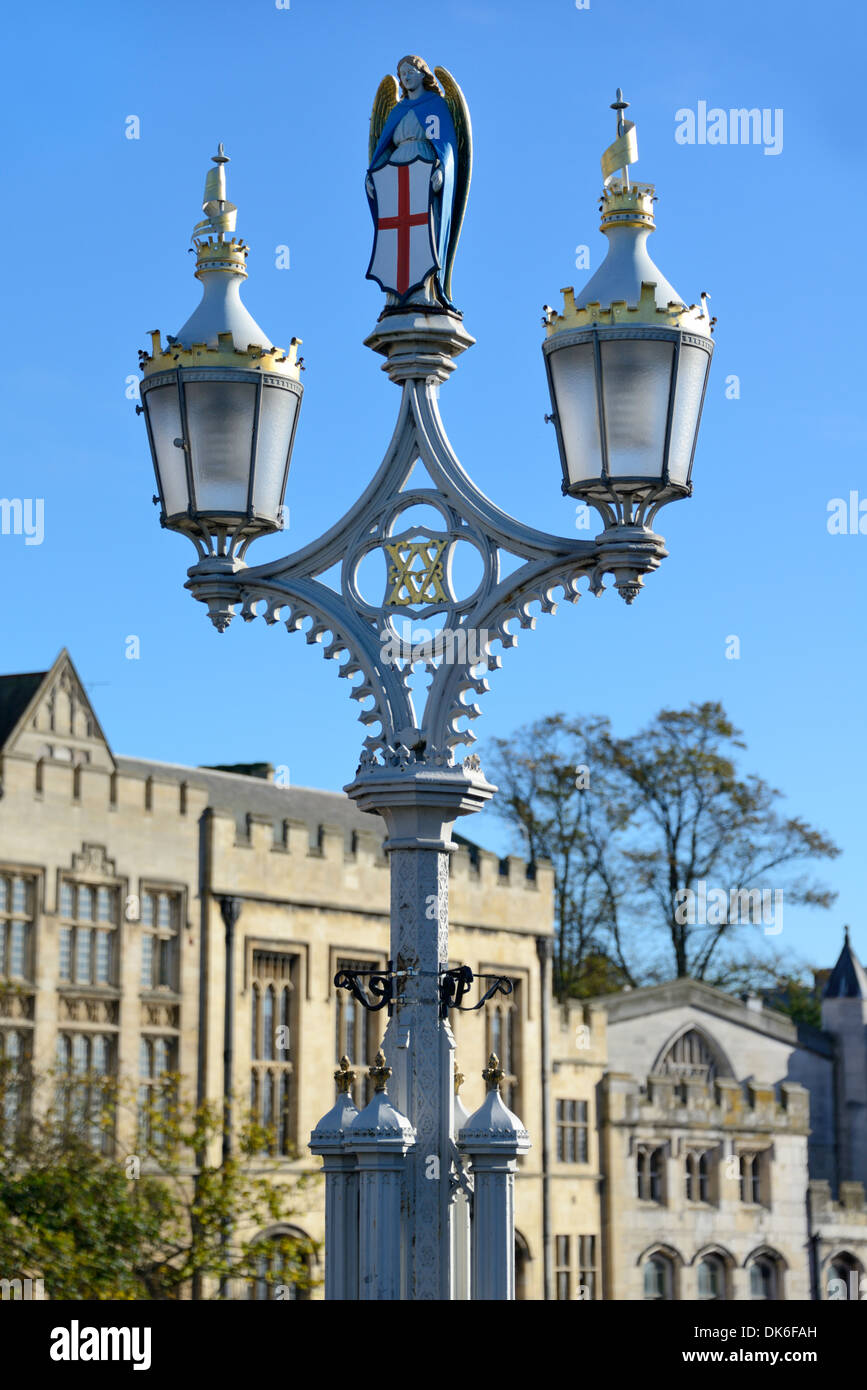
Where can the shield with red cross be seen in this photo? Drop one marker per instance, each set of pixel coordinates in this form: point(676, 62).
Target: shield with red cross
point(403, 251)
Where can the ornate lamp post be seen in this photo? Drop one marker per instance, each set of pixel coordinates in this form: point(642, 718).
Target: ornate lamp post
point(619, 364)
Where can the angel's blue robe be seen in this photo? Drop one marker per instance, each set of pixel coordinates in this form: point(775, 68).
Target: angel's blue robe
point(443, 146)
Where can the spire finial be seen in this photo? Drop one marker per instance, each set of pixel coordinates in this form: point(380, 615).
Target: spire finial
point(380, 1071)
point(221, 158)
point(846, 936)
point(344, 1076)
point(493, 1073)
point(618, 106)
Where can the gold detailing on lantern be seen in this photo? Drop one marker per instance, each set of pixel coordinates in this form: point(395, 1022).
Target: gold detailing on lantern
point(230, 256)
point(214, 253)
point(692, 317)
point(624, 151)
point(627, 204)
point(220, 214)
point(225, 354)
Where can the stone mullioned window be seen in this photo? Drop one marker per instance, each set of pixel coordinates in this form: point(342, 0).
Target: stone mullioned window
point(272, 1098)
point(17, 912)
point(15, 1079)
point(160, 926)
point(87, 942)
point(158, 1062)
point(85, 1071)
point(572, 1131)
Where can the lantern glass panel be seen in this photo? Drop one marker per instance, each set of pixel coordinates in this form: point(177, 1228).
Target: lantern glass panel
point(276, 418)
point(692, 370)
point(164, 415)
point(574, 376)
point(220, 418)
point(636, 378)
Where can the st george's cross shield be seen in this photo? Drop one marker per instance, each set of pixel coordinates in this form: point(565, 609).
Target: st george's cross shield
point(403, 250)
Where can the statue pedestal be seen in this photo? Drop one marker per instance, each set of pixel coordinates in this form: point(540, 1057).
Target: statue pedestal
point(419, 343)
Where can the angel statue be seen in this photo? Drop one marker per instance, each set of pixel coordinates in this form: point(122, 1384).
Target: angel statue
point(418, 179)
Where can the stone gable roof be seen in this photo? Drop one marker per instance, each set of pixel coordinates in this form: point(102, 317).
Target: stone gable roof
point(16, 692)
point(678, 993)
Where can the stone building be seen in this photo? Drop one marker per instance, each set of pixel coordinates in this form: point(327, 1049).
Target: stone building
point(724, 1130)
point(705, 1149)
point(838, 1212)
point(120, 880)
point(686, 1144)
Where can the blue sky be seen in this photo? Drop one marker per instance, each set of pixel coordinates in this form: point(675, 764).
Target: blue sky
point(97, 229)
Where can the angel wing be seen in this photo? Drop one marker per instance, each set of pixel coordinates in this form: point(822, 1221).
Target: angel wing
point(460, 114)
point(386, 97)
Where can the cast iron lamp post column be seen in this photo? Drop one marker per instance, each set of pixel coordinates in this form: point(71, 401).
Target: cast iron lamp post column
point(627, 362)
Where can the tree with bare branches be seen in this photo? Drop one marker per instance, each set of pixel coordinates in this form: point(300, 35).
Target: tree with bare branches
point(640, 828)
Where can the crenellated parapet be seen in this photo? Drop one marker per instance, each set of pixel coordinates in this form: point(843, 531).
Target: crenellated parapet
point(723, 1104)
point(849, 1209)
point(578, 1035)
point(472, 865)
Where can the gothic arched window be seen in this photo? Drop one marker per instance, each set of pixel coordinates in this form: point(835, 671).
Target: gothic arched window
point(692, 1056)
point(658, 1277)
point(712, 1278)
point(843, 1277)
point(282, 1265)
point(765, 1277)
point(697, 1176)
point(649, 1171)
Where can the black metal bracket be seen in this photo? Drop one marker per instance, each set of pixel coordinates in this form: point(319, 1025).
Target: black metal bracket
point(379, 982)
point(455, 984)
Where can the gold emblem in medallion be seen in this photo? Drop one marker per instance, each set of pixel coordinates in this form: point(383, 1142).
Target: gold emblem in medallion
point(416, 575)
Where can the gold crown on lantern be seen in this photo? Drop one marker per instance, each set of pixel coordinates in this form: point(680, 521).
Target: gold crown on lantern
point(694, 317)
point(221, 255)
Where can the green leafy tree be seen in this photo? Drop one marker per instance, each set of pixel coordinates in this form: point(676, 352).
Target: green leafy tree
point(794, 996)
point(95, 1223)
point(632, 825)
